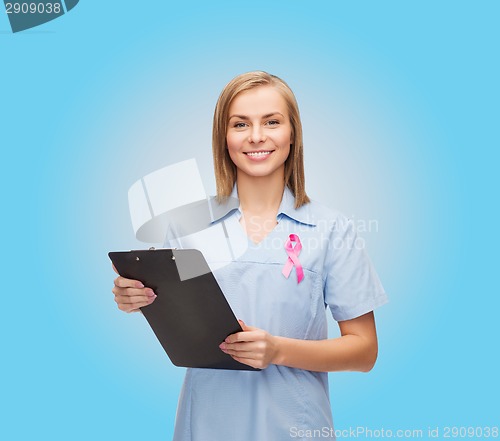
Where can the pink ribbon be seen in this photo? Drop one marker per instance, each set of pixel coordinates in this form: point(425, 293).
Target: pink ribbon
point(293, 258)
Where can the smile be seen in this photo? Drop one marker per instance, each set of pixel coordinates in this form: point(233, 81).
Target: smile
point(259, 154)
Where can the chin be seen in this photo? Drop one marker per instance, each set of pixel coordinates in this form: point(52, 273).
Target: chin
point(261, 173)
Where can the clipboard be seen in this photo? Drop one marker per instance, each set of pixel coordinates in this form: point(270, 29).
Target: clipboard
point(190, 315)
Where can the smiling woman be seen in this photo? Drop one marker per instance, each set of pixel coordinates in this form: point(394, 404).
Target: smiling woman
point(258, 161)
point(260, 85)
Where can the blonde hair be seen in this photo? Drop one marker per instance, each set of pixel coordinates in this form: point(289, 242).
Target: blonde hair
point(225, 170)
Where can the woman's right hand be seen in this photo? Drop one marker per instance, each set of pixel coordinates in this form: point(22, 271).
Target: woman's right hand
point(130, 295)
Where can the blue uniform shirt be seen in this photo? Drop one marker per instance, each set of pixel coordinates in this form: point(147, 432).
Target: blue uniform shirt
point(277, 403)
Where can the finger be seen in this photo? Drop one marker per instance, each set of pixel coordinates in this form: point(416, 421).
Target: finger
point(114, 268)
point(235, 348)
point(242, 336)
point(133, 299)
point(245, 327)
point(133, 307)
point(146, 292)
point(132, 310)
point(247, 361)
point(122, 282)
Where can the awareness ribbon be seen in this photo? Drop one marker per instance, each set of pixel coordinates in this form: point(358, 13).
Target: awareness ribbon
point(293, 258)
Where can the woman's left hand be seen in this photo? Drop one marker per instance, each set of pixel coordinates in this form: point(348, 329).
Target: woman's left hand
point(254, 347)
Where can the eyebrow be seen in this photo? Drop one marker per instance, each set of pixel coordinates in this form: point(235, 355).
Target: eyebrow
point(244, 117)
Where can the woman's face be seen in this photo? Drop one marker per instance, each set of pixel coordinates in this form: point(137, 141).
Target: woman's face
point(259, 132)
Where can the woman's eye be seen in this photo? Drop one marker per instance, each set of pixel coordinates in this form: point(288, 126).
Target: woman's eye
point(239, 125)
point(273, 122)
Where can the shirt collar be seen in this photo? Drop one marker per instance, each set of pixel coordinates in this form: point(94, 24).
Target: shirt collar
point(287, 207)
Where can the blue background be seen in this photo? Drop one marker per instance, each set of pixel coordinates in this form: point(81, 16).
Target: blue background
point(399, 102)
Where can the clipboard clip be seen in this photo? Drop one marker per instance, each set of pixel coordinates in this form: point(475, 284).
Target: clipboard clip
point(154, 249)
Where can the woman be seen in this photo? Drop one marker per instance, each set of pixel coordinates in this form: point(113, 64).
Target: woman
point(300, 256)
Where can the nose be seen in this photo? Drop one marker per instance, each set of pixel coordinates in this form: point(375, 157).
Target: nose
point(257, 135)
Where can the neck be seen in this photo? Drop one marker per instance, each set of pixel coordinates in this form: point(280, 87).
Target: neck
point(260, 194)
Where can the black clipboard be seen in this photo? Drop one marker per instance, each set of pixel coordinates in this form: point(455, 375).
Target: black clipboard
point(190, 315)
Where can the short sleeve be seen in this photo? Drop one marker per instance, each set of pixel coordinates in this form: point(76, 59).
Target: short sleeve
point(351, 286)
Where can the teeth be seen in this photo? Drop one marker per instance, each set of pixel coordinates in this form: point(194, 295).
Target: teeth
point(257, 153)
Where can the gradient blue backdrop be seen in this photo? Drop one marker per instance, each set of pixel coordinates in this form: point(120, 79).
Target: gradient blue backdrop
point(400, 110)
